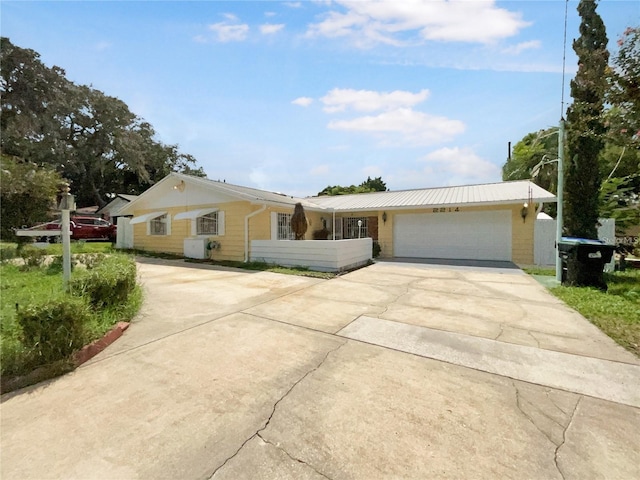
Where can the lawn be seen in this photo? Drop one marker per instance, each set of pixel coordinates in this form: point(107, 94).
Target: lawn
point(616, 312)
point(10, 250)
point(23, 287)
point(268, 267)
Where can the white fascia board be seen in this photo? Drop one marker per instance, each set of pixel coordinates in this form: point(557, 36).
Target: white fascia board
point(441, 205)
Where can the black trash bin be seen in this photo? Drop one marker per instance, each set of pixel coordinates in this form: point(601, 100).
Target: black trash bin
point(583, 261)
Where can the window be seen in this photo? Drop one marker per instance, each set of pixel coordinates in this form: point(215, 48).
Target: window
point(158, 225)
point(207, 224)
point(351, 229)
point(284, 227)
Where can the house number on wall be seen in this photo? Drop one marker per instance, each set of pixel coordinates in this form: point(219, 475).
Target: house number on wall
point(444, 209)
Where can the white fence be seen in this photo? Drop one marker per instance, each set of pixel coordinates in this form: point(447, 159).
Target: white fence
point(544, 240)
point(124, 237)
point(320, 255)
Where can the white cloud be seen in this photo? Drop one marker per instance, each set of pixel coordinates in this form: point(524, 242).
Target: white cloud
point(521, 47)
point(260, 178)
point(341, 99)
point(303, 101)
point(293, 4)
point(104, 45)
point(320, 170)
point(461, 165)
point(230, 32)
point(402, 126)
point(339, 148)
point(409, 22)
point(270, 28)
point(269, 14)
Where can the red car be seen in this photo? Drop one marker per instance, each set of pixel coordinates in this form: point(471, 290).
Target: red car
point(86, 228)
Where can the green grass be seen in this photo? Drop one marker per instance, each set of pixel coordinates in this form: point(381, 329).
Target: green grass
point(81, 246)
point(267, 267)
point(616, 312)
point(20, 288)
point(10, 250)
point(544, 271)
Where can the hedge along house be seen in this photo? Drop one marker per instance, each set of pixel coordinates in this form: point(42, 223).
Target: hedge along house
point(473, 222)
point(201, 218)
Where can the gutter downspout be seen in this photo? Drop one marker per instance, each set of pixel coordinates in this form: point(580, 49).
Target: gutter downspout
point(246, 231)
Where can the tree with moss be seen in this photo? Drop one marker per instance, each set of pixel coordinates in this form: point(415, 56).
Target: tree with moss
point(91, 139)
point(28, 194)
point(585, 125)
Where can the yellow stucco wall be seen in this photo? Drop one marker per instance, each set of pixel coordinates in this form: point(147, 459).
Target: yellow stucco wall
point(522, 235)
point(232, 242)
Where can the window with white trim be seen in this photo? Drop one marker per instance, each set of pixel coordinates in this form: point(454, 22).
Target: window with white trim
point(158, 225)
point(284, 227)
point(207, 224)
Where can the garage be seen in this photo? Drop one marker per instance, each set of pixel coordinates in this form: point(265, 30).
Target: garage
point(483, 235)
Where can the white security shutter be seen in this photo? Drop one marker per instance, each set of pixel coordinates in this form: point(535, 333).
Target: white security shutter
point(220, 223)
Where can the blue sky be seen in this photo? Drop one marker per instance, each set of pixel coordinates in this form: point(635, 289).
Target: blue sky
point(295, 96)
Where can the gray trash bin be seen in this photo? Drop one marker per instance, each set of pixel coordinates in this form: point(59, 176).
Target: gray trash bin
point(583, 261)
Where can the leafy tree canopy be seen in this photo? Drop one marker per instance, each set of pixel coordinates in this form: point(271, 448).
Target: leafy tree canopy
point(28, 194)
point(585, 125)
point(91, 139)
point(623, 119)
point(614, 123)
point(369, 185)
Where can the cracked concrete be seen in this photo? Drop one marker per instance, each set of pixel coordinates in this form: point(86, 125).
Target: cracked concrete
point(275, 406)
point(244, 375)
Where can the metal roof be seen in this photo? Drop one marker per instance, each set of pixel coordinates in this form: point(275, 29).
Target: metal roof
point(253, 195)
point(467, 195)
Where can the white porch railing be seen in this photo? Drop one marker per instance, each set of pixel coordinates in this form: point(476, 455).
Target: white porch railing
point(319, 255)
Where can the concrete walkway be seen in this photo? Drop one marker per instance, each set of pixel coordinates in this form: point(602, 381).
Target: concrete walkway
point(397, 370)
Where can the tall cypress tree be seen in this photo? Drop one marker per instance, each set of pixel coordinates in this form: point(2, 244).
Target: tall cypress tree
point(585, 124)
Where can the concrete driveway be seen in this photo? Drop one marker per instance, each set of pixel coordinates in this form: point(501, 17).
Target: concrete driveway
point(397, 370)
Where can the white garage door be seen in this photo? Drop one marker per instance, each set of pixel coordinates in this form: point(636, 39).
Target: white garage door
point(459, 235)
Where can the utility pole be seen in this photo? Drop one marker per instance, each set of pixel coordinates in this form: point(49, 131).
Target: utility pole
point(560, 195)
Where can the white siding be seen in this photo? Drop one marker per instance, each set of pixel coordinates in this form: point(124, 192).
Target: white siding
point(320, 255)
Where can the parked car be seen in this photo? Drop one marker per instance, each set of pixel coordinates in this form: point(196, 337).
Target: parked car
point(86, 228)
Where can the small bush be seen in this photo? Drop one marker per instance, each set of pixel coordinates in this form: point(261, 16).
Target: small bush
point(92, 260)
point(376, 249)
point(107, 283)
point(33, 257)
point(322, 234)
point(56, 265)
point(8, 251)
point(53, 330)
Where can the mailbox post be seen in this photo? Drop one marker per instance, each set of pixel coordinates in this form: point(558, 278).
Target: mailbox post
point(67, 203)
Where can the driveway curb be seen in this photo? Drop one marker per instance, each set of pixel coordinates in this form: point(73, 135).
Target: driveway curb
point(47, 372)
point(87, 352)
